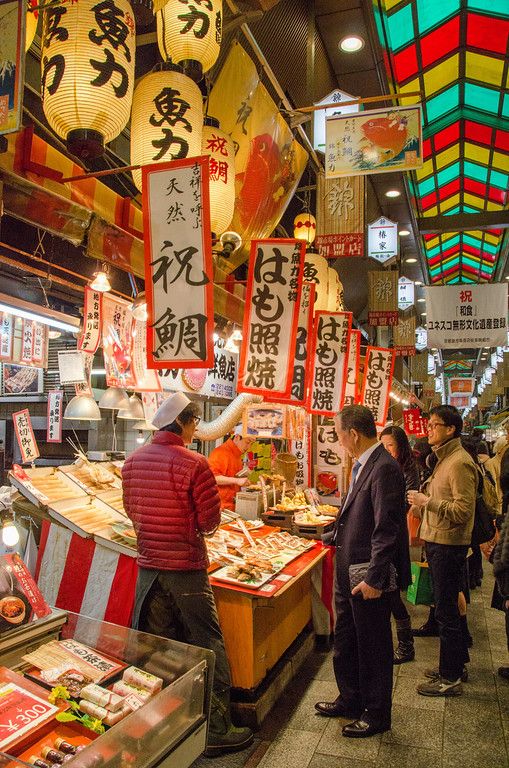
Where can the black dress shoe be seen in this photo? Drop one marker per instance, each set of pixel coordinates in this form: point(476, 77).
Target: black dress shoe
point(364, 727)
point(429, 629)
point(336, 708)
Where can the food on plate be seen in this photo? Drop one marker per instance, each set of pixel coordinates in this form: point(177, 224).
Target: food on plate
point(327, 509)
point(312, 518)
point(244, 573)
point(12, 609)
point(288, 504)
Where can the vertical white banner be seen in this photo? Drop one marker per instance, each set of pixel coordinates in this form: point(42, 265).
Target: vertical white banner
point(378, 369)
point(27, 342)
point(92, 321)
point(85, 387)
point(54, 417)
point(146, 379)
point(329, 354)
point(6, 336)
point(352, 388)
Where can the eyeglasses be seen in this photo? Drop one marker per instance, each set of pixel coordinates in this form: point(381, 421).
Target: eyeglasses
point(433, 424)
point(196, 420)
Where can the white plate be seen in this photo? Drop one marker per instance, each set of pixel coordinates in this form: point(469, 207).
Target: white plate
point(251, 525)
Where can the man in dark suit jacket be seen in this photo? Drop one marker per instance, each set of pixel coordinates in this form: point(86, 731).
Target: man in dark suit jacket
point(370, 530)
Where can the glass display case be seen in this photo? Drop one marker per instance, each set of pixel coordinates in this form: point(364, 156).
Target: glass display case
point(170, 728)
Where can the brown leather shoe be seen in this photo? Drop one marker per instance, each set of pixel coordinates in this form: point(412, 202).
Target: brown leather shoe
point(365, 726)
point(336, 708)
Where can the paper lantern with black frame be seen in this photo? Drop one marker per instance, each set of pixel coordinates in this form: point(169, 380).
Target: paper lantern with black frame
point(190, 35)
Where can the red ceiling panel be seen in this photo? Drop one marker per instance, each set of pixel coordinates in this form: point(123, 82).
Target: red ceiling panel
point(487, 33)
point(440, 42)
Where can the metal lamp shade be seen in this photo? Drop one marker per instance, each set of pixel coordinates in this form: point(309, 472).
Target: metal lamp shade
point(182, 39)
point(144, 426)
point(114, 399)
point(134, 410)
point(82, 407)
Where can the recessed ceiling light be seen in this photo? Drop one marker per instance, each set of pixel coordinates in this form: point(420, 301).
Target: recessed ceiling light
point(404, 232)
point(392, 193)
point(507, 277)
point(411, 260)
point(421, 299)
point(418, 282)
point(351, 44)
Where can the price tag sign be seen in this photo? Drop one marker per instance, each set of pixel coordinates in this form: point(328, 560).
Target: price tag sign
point(20, 712)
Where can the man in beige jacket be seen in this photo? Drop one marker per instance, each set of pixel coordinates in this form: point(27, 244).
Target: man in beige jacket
point(446, 506)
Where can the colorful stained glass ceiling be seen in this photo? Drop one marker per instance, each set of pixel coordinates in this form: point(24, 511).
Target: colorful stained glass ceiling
point(456, 53)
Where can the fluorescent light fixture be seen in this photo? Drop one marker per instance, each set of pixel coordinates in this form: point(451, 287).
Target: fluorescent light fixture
point(392, 193)
point(411, 260)
point(98, 371)
point(404, 232)
point(420, 300)
point(423, 313)
point(351, 44)
point(24, 313)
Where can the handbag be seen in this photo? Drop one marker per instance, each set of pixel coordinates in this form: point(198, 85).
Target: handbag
point(484, 519)
point(358, 571)
point(420, 591)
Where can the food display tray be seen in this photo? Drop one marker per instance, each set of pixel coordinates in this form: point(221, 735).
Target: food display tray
point(45, 485)
point(73, 514)
point(311, 530)
point(282, 520)
point(79, 475)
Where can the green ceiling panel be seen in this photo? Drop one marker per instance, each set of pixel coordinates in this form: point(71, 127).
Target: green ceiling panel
point(489, 6)
point(426, 186)
point(478, 97)
point(448, 174)
point(443, 103)
point(475, 171)
point(400, 28)
point(432, 12)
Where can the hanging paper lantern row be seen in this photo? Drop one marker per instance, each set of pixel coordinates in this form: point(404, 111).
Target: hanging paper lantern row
point(304, 227)
point(190, 33)
point(167, 119)
point(32, 17)
point(219, 147)
point(87, 61)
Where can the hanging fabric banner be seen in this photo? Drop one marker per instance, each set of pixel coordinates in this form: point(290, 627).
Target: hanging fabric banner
point(298, 392)
point(85, 387)
point(6, 336)
point(461, 316)
point(274, 287)
point(54, 416)
point(329, 348)
point(117, 339)
point(92, 321)
point(404, 336)
point(383, 297)
point(178, 264)
point(379, 367)
point(27, 342)
point(352, 389)
point(419, 367)
point(146, 379)
point(331, 461)
point(340, 216)
point(301, 449)
point(40, 343)
point(25, 436)
point(412, 421)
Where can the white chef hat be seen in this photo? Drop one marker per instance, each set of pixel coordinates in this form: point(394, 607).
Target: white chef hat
point(170, 409)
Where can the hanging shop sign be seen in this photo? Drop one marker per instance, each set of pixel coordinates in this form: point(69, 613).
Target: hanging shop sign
point(6, 335)
point(375, 141)
point(461, 389)
point(218, 381)
point(329, 353)
point(336, 98)
point(40, 343)
point(379, 367)
point(331, 460)
point(414, 423)
point(340, 216)
point(12, 32)
point(71, 368)
point(406, 293)
point(54, 416)
point(352, 390)
point(117, 341)
point(274, 287)
point(301, 449)
point(92, 321)
point(404, 336)
point(421, 338)
point(25, 436)
point(146, 379)
point(419, 367)
point(316, 270)
point(383, 297)
point(27, 341)
point(178, 264)
point(298, 392)
point(264, 421)
point(461, 316)
point(85, 387)
point(383, 240)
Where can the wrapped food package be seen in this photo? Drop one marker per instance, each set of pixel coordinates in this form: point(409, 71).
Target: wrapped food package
point(142, 679)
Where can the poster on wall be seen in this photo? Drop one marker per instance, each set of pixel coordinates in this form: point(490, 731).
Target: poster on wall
point(6, 336)
point(178, 264)
point(263, 421)
point(21, 380)
point(461, 316)
point(378, 370)
point(274, 287)
point(117, 341)
point(329, 352)
point(12, 64)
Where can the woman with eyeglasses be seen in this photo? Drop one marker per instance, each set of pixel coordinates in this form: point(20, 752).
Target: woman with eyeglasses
point(396, 443)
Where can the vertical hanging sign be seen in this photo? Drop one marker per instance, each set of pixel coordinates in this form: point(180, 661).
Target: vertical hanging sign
point(352, 389)
point(6, 335)
point(25, 436)
point(27, 341)
point(298, 393)
point(379, 367)
point(301, 449)
point(178, 264)
point(54, 418)
point(117, 341)
point(85, 387)
point(274, 287)
point(92, 323)
point(146, 379)
point(40, 332)
point(328, 358)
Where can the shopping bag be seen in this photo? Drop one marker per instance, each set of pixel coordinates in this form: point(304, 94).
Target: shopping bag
point(413, 524)
point(420, 591)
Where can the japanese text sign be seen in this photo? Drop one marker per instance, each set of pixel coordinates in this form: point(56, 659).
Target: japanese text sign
point(84, 387)
point(377, 141)
point(466, 316)
point(25, 436)
point(117, 341)
point(421, 338)
point(383, 240)
point(340, 216)
point(379, 367)
point(54, 416)
point(301, 449)
point(298, 391)
point(27, 341)
point(178, 264)
point(21, 711)
point(404, 336)
point(383, 297)
point(335, 98)
point(70, 366)
point(413, 422)
point(40, 343)
point(352, 389)
point(218, 381)
point(92, 321)
point(329, 356)
point(274, 287)
point(146, 379)
point(406, 293)
point(331, 459)
point(6, 335)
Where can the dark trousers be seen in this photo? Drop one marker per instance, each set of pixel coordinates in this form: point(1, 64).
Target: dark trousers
point(180, 606)
point(363, 653)
point(398, 607)
point(447, 568)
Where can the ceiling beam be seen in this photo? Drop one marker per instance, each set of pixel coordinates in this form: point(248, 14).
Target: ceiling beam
point(463, 222)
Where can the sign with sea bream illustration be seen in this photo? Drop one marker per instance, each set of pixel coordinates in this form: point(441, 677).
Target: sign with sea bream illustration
point(378, 141)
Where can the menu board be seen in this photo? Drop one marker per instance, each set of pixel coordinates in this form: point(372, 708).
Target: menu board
point(20, 598)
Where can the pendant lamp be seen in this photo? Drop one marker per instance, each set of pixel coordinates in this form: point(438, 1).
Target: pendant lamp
point(82, 407)
point(304, 227)
point(134, 410)
point(190, 35)
point(114, 398)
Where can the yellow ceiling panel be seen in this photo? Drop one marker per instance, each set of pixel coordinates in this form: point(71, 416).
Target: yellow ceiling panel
point(474, 200)
point(448, 236)
point(433, 211)
point(449, 203)
point(442, 75)
point(500, 162)
point(493, 206)
point(413, 85)
point(484, 69)
point(478, 154)
point(432, 242)
point(492, 239)
point(425, 171)
point(448, 156)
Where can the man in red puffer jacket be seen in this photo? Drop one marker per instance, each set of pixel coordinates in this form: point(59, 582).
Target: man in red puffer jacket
point(170, 494)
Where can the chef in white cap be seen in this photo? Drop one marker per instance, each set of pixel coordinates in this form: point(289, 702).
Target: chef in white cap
point(226, 462)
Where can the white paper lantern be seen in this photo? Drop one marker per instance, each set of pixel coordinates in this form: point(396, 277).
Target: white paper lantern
point(219, 147)
point(190, 34)
point(316, 271)
point(32, 17)
point(167, 119)
point(304, 227)
point(335, 299)
point(87, 66)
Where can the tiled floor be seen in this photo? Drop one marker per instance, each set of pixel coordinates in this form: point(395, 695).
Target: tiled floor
point(471, 731)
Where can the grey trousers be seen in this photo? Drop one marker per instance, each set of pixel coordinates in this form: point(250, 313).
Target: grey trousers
point(180, 605)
